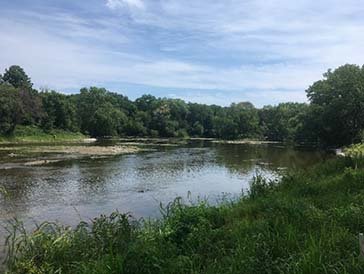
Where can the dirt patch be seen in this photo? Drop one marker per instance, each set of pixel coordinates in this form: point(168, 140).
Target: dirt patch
point(89, 140)
point(77, 149)
point(17, 157)
point(149, 144)
point(249, 142)
point(87, 150)
point(41, 162)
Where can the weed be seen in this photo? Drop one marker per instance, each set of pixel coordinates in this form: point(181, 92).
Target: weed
point(307, 222)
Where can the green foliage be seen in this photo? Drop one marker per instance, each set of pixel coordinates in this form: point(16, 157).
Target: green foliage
point(100, 113)
point(339, 102)
point(60, 112)
point(36, 134)
point(333, 117)
point(283, 122)
point(18, 107)
point(108, 121)
point(355, 151)
point(10, 108)
point(307, 222)
point(260, 186)
point(16, 76)
point(32, 111)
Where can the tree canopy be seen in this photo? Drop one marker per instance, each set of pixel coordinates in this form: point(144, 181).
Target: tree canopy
point(16, 76)
point(339, 101)
point(334, 116)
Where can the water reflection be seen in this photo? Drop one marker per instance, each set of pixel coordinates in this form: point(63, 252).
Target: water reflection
point(242, 158)
point(66, 190)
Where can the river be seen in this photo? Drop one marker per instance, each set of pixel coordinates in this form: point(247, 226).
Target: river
point(77, 189)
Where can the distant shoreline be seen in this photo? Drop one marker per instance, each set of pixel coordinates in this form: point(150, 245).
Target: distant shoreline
point(33, 134)
point(250, 142)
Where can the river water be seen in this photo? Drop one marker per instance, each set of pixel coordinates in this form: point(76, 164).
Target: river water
point(83, 188)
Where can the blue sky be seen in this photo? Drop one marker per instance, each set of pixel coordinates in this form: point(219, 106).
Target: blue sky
point(213, 52)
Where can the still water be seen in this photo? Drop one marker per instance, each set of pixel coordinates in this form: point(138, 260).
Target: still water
point(83, 188)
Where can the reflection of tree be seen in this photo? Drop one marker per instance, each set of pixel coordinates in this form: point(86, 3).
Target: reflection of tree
point(77, 181)
point(18, 185)
point(92, 176)
point(173, 163)
point(242, 158)
point(239, 158)
point(292, 157)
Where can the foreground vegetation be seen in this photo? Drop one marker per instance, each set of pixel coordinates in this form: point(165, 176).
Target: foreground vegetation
point(306, 223)
point(332, 118)
point(356, 150)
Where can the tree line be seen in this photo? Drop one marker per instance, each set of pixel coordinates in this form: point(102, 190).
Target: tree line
point(334, 115)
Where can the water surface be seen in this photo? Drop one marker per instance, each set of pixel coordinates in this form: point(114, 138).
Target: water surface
point(83, 188)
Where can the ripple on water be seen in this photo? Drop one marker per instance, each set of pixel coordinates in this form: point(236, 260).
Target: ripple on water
point(89, 186)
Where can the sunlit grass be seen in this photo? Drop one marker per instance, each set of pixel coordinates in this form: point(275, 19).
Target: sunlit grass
point(35, 134)
point(356, 150)
point(307, 223)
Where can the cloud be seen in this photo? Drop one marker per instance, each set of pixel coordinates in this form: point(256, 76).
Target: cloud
point(115, 4)
point(208, 51)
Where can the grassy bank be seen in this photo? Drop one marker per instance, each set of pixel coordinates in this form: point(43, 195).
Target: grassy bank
point(356, 150)
point(307, 223)
point(25, 134)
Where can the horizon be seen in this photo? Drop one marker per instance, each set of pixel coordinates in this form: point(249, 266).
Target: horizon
point(211, 53)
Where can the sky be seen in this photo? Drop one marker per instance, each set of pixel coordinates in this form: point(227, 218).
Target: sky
point(205, 51)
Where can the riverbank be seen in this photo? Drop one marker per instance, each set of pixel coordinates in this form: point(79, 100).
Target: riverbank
point(245, 141)
point(32, 134)
point(308, 222)
point(356, 150)
point(38, 155)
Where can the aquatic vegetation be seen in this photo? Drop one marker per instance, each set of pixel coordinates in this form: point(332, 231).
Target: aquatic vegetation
point(3, 191)
point(308, 222)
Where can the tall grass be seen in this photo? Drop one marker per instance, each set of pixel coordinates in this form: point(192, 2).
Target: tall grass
point(35, 134)
point(306, 223)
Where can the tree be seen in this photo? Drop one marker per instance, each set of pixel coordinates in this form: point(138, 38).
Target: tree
point(100, 113)
point(107, 121)
point(197, 129)
point(200, 120)
point(162, 120)
point(60, 111)
point(245, 116)
point(135, 128)
point(16, 76)
point(339, 104)
point(10, 109)
point(147, 103)
point(281, 122)
point(32, 111)
point(88, 102)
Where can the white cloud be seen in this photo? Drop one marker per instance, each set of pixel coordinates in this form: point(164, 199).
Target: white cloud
point(115, 4)
point(274, 48)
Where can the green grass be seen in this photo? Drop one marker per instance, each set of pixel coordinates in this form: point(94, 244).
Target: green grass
point(356, 150)
point(26, 134)
point(306, 223)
